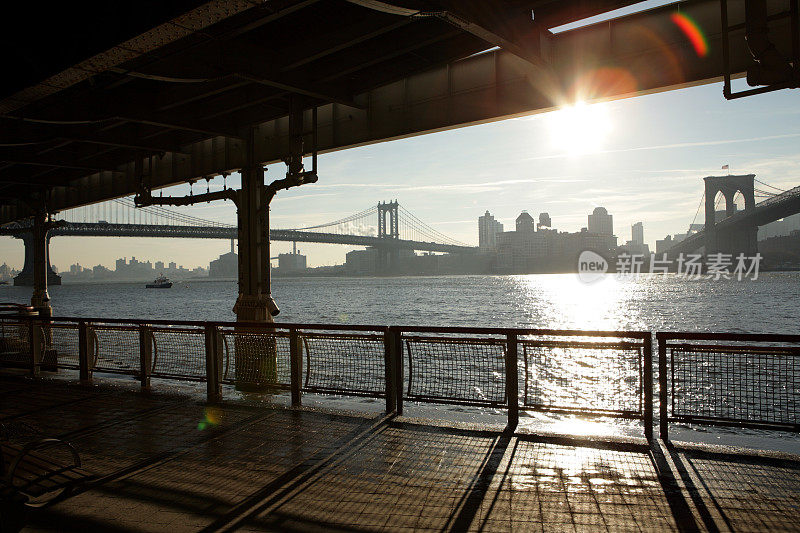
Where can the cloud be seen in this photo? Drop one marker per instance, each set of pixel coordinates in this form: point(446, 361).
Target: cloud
point(671, 146)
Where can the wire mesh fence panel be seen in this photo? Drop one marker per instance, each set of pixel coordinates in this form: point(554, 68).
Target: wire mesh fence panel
point(61, 346)
point(179, 352)
point(735, 383)
point(455, 370)
point(586, 377)
point(344, 364)
point(115, 349)
point(15, 347)
point(255, 358)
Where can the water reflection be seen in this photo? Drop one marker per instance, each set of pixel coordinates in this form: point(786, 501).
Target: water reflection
point(565, 302)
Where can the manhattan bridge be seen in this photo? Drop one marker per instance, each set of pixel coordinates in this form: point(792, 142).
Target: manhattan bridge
point(387, 226)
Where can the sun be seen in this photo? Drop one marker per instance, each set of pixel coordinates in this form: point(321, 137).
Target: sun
point(580, 128)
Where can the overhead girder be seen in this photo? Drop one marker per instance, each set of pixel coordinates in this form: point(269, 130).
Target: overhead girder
point(631, 55)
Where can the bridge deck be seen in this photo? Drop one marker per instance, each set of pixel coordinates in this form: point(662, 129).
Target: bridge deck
point(274, 468)
point(95, 229)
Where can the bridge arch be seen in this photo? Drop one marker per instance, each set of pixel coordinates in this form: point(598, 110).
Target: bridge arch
point(728, 186)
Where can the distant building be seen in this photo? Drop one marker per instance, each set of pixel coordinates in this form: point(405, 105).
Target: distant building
point(521, 251)
point(159, 265)
point(488, 228)
point(525, 223)
point(601, 222)
point(544, 221)
point(663, 245)
point(780, 228)
point(225, 266)
point(362, 262)
point(291, 262)
point(5, 272)
point(637, 233)
point(173, 265)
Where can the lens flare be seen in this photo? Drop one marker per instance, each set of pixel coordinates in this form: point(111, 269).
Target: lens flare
point(211, 418)
point(693, 32)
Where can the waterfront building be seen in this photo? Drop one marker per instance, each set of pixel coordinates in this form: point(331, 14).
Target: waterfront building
point(488, 228)
point(362, 262)
point(292, 262)
point(225, 266)
point(601, 222)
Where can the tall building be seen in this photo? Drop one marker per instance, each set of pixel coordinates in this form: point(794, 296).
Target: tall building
point(525, 223)
point(601, 222)
point(637, 233)
point(488, 228)
point(544, 221)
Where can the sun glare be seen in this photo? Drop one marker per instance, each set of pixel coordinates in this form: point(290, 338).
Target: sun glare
point(580, 128)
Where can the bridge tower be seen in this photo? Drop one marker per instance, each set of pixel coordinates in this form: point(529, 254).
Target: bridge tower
point(735, 241)
point(388, 209)
point(25, 277)
point(387, 253)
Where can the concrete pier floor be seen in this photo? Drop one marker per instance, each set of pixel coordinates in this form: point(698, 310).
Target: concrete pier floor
point(166, 462)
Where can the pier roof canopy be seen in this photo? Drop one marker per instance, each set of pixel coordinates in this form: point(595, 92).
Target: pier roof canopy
point(93, 91)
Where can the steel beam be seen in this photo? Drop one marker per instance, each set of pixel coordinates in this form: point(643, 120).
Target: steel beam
point(646, 47)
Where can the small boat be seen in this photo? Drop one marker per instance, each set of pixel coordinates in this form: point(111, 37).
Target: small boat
point(161, 282)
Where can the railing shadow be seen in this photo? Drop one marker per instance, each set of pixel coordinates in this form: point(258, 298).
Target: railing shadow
point(728, 487)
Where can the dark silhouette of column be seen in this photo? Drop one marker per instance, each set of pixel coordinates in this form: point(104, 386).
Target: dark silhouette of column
point(25, 277)
point(40, 300)
point(253, 225)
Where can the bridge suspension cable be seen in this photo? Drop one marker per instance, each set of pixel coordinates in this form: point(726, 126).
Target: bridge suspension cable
point(770, 186)
point(372, 211)
point(124, 211)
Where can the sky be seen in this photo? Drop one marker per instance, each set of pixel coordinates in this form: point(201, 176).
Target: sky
point(642, 158)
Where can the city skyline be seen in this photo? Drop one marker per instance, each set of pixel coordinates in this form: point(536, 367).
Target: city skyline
point(448, 179)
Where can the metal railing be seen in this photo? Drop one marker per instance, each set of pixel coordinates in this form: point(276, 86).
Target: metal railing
point(741, 380)
point(744, 380)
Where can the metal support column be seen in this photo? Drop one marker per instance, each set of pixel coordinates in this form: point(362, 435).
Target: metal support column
point(397, 348)
point(40, 299)
point(253, 221)
point(296, 362)
point(145, 355)
point(647, 384)
point(36, 340)
point(512, 380)
point(213, 388)
point(662, 389)
point(390, 356)
point(83, 353)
